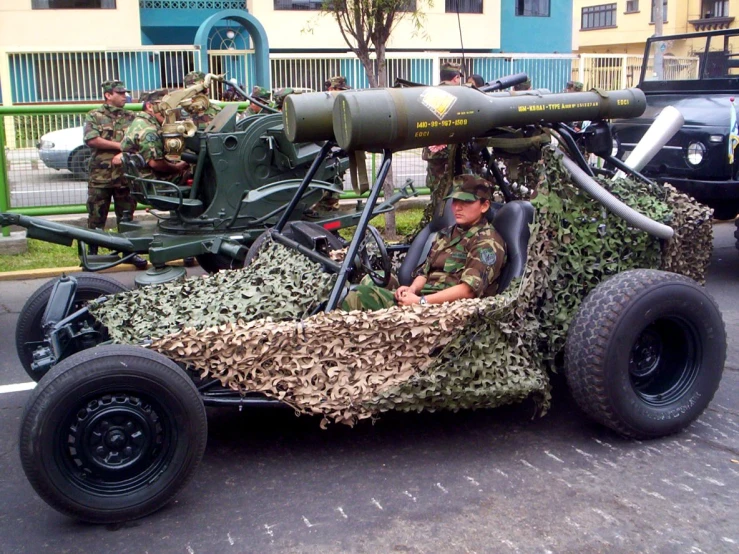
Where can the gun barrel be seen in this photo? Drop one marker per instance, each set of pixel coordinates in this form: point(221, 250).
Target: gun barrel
point(401, 119)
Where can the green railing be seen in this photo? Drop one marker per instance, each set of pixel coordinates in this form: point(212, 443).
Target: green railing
point(30, 186)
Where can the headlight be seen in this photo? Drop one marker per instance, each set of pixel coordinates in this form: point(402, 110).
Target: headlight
point(696, 152)
point(45, 145)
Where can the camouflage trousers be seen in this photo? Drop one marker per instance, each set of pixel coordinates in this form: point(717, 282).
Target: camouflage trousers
point(439, 181)
point(368, 296)
point(328, 202)
point(98, 204)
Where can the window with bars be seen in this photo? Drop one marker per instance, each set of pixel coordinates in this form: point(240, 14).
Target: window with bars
point(598, 17)
point(463, 6)
point(533, 8)
point(664, 11)
point(73, 4)
point(715, 8)
point(298, 4)
point(632, 6)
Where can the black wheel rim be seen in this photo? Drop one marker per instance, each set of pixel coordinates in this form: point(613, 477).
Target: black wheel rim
point(114, 444)
point(664, 361)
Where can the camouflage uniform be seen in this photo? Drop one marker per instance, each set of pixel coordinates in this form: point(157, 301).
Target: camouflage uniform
point(440, 161)
point(143, 137)
point(201, 119)
point(261, 94)
point(473, 255)
point(106, 180)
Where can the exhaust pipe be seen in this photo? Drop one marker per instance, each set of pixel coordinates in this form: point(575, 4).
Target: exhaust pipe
point(667, 123)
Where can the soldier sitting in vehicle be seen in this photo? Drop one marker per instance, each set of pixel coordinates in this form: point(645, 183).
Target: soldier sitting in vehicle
point(261, 94)
point(465, 260)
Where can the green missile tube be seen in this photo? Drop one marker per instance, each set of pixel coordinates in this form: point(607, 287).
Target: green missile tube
point(308, 117)
point(402, 119)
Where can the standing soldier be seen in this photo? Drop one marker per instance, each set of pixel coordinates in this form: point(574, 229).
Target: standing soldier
point(261, 94)
point(103, 132)
point(439, 156)
point(143, 137)
point(201, 119)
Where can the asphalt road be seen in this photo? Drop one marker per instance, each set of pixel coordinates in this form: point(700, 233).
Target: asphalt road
point(502, 481)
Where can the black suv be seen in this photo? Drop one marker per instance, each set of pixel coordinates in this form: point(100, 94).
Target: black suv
point(698, 74)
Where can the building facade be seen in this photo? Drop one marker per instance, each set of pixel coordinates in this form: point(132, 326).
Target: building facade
point(623, 26)
point(60, 50)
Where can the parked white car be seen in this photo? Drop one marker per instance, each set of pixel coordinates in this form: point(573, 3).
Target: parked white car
point(65, 149)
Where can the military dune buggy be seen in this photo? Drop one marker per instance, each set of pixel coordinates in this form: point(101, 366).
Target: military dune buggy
point(606, 290)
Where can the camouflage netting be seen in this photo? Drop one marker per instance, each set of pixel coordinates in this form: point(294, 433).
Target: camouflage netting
point(466, 354)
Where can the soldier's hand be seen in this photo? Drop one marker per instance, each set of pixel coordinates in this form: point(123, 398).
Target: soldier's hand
point(408, 299)
point(402, 291)
point(117, 159)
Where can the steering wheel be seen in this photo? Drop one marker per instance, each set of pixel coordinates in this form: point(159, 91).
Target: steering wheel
point(373, 257)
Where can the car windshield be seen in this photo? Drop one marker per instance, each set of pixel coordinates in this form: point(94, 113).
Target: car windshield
point(699, 58)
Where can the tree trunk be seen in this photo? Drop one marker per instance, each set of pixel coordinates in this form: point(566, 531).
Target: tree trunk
point(388, 187)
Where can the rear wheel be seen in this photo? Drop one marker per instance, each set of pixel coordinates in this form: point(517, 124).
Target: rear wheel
point(645, 353)
point(28, 330)
point(111, 434)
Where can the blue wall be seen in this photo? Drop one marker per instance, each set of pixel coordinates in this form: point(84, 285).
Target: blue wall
point(537, 34)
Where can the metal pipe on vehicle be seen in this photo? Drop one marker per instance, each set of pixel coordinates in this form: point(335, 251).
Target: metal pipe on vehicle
point(613, 204)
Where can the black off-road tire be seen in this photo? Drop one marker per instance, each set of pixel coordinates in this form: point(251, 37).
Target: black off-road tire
point(645, 353)
point(112, 433)
point(28, 328)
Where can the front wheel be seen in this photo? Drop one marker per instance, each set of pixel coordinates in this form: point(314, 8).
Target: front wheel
point(645, 353)
point(112, 433)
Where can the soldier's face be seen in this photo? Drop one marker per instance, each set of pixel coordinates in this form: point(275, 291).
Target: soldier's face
point(466, 213)
point(117, 99)
point(255, 107)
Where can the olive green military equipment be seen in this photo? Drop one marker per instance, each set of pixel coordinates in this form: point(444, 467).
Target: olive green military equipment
point(405, 118)
point(584, 290)
point(245, 174)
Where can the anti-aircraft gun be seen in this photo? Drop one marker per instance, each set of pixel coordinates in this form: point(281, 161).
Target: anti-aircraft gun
point(245, 173)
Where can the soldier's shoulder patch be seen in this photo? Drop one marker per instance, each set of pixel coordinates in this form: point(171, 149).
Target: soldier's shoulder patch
point(488, 256)
point(151, 137)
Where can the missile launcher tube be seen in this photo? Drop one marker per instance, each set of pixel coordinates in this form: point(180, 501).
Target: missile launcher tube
point(402, 119)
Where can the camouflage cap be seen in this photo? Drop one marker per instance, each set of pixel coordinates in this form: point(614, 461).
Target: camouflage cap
point(260, 92)
point(470, 188)
point(526, 85)
point(114, 86)
point(281, 94)
point(575, 86)
point(338, 82)
point(451, 67)
point(153, 95)
point(194, 77)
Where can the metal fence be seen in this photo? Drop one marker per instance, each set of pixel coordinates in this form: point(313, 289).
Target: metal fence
point(35, 182)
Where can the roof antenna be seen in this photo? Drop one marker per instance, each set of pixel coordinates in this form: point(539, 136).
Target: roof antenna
point(461, 41)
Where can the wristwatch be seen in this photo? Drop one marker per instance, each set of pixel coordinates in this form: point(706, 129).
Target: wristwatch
point(422, 301)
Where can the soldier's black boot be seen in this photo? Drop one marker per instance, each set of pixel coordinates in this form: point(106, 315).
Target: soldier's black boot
point(139, 262)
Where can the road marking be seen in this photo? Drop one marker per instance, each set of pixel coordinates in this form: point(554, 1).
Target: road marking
point(18, 387)
point(341, 511)
point(376, 503)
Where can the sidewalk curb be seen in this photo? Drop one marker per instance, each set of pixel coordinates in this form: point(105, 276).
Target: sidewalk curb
point(47, 273)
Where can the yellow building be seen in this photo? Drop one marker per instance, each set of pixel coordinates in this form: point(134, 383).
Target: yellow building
point(623, 26)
